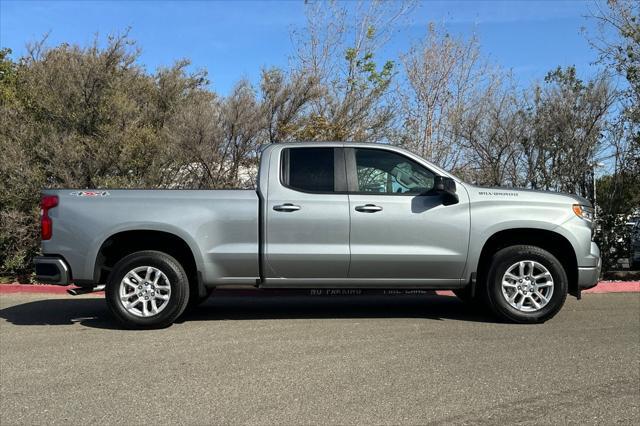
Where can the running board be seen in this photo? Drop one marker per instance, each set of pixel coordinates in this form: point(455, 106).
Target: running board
point(85, 290)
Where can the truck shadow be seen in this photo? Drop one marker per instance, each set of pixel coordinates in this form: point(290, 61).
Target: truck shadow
point(429, 307)
point(92, 312)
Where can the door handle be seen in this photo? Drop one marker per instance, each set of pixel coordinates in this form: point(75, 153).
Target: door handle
point(368, 208)
point(286, 207)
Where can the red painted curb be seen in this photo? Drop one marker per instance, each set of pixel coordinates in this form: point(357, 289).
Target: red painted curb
point(615, 287)
point(34, 288)
point(602, 287)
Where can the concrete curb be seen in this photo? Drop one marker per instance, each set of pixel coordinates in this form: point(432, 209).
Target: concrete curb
point(602, 288)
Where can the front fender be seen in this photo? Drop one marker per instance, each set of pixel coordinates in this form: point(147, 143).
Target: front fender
point(479, 238)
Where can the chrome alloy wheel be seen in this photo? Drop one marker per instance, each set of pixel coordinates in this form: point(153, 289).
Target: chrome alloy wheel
point(145, 291)
point(527, 286)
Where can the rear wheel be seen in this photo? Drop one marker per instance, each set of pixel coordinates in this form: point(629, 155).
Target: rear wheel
point(147, 289)
point(526, 284)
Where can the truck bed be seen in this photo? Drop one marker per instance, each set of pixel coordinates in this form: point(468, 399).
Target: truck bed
point(220, 227)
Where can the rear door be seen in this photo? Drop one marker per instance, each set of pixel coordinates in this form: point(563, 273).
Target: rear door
point(400, 229)
point(307, 216)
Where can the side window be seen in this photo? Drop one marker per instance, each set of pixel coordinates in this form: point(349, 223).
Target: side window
point(386, 172)
point(308, 169)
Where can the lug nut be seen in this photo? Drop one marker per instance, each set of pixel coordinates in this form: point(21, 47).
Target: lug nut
point(140, 294)
point(146, 298)
point(153, 294)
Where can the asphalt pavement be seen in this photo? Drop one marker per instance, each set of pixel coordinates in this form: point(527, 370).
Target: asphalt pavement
point(320, 360)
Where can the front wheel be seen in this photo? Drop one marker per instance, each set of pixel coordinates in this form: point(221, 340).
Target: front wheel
point(526, 284)
point(147, 289)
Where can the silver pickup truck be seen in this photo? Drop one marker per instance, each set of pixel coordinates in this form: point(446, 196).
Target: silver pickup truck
point(324, 215)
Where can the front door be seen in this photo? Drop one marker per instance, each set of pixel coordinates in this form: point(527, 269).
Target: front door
point(307, 217)
point(400, 228)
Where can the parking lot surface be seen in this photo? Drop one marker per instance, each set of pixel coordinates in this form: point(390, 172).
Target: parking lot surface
point(320, 360)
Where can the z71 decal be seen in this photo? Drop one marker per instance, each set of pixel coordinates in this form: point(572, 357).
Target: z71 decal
point(90, 194)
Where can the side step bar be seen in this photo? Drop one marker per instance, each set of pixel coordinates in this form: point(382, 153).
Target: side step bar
point(85, 290)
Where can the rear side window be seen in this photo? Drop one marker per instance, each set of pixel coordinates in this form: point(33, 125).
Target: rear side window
point(308, 169)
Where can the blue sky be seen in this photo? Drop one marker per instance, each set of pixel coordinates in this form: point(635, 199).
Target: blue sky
point(234, 40)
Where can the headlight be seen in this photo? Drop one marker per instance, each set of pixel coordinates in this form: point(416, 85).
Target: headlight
point(585, 212)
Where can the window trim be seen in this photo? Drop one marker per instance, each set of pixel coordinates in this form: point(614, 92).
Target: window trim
point(352, 174)
point(339, 170)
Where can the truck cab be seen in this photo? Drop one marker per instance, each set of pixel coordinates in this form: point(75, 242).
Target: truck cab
point(360, 216)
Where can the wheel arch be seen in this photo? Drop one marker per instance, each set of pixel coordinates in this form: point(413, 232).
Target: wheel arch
point(124, 242)
point(551, 241)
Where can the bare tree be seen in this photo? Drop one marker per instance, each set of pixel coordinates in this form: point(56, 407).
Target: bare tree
point(459, 111)
point(490, 130)
point(617, 42)
point(445, 74)
point(567, 118)
point(285, 98)
point(339, 46)
point(213, 139)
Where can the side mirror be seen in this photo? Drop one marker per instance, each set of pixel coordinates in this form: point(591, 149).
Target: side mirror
point(447, 186)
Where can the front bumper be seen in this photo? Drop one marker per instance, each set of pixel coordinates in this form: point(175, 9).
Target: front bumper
point(52, 270)
point(588, 277)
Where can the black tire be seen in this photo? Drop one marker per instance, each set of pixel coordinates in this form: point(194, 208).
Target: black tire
point(178, 282)
point(507, 257)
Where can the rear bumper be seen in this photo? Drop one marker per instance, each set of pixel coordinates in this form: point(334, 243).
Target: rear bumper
point(588, 277)
point(52, 270)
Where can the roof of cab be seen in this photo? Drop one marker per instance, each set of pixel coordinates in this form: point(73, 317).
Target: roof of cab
point(269, 147)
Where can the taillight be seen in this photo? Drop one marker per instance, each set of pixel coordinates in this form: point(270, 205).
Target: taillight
point(46, 225)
